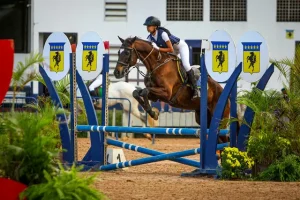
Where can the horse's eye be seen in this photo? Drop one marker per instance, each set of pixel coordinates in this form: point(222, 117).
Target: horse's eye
point(127, 53)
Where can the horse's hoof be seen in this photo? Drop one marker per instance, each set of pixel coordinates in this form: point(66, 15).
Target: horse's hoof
point(148, 136)
point(156, 114)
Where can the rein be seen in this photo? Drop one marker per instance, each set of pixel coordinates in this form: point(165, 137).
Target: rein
point(151, 72)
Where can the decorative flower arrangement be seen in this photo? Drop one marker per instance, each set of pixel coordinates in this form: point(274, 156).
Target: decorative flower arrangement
point(235, 163)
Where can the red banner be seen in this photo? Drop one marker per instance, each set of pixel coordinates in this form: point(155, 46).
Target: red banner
point(10, 189)
point(6, 66)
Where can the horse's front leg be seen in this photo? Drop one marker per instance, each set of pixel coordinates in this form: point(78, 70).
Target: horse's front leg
point(153, 113)
point(155, 93)
point(137, 95)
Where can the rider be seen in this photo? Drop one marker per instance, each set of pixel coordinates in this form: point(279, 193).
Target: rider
point(164, 41)
point(96, 83)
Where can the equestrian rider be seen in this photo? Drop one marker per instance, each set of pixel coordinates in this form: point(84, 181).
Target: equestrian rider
point(96, 83)
point(164, 41)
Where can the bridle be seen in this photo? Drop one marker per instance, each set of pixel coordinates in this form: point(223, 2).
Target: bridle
point(129, 60)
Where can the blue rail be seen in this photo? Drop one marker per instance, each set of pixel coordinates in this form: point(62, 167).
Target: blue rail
point(161, 131)
point(167, 156)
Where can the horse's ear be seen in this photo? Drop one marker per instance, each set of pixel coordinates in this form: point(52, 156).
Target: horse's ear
point(133, 39)
point(122, 40)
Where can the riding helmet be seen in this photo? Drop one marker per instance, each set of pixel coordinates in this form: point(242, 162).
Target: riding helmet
point(152, 21)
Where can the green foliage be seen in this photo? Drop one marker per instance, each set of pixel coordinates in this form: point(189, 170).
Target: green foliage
point(260, 101)
point(267, 141)
point(274, 140)
point(66, 185)
point(24, 73)
point(290, 70)
point(286, 169)
point(266, 147)
point(234, 163)
point(28, 145)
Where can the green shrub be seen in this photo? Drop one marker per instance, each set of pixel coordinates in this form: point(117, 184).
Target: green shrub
point(286, 169)
point(28, 145)
point(66, 185)
point(265, 146)
point(234, 163)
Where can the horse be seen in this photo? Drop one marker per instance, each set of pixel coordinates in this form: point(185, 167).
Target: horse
point(165, 80)
point(124, 90)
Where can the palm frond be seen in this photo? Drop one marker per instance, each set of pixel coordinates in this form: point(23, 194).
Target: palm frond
point(63, 84)
point(21, 68)
point(290, 69)
point(40, 79)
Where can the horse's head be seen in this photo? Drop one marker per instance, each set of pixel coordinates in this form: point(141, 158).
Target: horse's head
point(127, 57)
point(130, 51)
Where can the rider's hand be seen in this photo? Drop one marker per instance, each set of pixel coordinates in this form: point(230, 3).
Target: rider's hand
point(155, 46)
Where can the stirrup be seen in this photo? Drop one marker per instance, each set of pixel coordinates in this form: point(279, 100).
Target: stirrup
point(196, 94)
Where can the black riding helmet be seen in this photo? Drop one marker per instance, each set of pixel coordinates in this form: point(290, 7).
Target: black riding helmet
point(152, 21)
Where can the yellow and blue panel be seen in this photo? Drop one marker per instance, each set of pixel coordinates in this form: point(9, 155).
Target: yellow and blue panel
point(57, 56)
point(251, 57)
point(89, 56)
point(220, 56)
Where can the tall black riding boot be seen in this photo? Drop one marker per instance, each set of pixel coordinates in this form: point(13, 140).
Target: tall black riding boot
point(193, 82)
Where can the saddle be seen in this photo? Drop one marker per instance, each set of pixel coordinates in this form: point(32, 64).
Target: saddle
point(181, 70)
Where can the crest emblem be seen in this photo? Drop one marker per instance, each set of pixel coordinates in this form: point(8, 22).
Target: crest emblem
point(219, 56)
point(57, 56)
point(251, 57)
point(89, 56)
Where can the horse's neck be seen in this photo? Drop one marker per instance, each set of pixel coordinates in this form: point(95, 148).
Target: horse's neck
point(151, 59)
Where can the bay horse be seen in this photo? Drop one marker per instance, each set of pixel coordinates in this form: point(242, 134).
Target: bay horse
point(165, 80)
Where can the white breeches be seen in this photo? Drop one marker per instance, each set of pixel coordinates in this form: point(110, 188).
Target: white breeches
point(95, 84)
point(183, 49)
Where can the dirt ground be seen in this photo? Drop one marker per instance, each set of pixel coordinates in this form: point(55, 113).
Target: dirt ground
point(162, 180)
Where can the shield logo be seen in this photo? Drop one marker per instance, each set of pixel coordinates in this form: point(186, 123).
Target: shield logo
point(220, 56)
point(7, 65)
point(251, 57)
point(57, 56)
point(89, 56)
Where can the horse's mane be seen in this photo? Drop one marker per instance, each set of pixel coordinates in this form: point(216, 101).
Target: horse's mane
point(129, 40)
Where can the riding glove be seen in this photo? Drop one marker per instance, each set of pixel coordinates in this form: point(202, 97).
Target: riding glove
point(155, 46)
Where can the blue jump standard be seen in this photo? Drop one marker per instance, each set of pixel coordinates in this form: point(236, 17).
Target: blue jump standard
point(167, 156)
point(160, 131)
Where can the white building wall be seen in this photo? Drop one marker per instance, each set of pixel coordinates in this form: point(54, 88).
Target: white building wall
point(88, 15)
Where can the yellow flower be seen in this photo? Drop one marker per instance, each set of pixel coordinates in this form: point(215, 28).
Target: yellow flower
point(229, 162)
point(237, 163)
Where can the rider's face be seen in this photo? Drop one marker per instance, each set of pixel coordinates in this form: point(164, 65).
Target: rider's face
point(151, 29)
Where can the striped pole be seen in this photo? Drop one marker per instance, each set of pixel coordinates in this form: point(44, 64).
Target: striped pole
point(151, 152)
point(167, 156)
point(161, 131)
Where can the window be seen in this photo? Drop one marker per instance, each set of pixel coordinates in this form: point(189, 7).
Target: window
point(116, 10)
point(182, 10)
point(288, 11)
point(14, 23)
point(228, 10)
